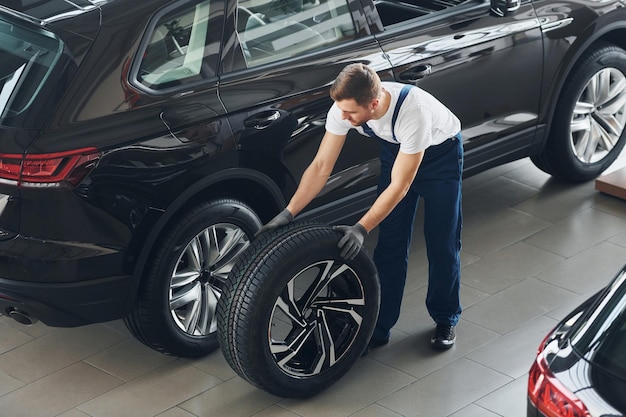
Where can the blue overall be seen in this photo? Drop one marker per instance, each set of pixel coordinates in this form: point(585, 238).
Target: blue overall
point(438, 182)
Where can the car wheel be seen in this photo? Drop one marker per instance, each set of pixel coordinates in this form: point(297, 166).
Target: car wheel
point(295, 316)
point(175, 309)
point(587, 132)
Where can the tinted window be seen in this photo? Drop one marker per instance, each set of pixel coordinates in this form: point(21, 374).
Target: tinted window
point(183, 46)
point(612, 352)
point(27, 58)
point(603, 329)
point(278, 29)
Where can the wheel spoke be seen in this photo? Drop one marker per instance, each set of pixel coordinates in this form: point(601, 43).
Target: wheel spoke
point(582, 108)
point(287, 304)
point(185, 296)
point(345, 306)
point(324, 277)
point(195, 253)
point(182, 278)
point(210, 297)
point(234, 245)
point(328, 355)
point(599, 116)
point(285, 351)
point(316, 318)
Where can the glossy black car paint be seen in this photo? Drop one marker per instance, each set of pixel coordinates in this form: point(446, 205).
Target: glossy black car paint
point(76, 255)
point(585, 353)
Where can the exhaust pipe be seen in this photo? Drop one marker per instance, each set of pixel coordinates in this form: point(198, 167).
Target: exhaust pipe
point(22, 317)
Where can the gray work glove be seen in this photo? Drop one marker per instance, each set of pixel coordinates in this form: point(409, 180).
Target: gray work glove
point(352, 241)
point(281, 219)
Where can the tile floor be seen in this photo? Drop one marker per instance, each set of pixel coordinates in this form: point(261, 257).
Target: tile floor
point(532, 250)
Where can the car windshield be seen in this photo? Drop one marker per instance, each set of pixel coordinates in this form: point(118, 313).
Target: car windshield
point(27, 57)
point(604, 331)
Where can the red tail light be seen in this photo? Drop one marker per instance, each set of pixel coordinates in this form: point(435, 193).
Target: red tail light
point(549, 395)
point(48, 169)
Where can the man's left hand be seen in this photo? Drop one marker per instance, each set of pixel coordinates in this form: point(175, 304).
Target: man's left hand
point(352, 241)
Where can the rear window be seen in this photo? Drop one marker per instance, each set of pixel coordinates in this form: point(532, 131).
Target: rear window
point(603, 331)
point(27, 57)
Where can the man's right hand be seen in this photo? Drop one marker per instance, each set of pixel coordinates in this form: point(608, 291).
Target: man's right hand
point(281, 219)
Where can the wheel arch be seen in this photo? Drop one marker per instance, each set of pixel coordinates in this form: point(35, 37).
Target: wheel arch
point(613, 32)
point(255, 189)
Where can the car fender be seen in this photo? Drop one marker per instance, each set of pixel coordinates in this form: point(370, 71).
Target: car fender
point(197, 192)
point(610, 27)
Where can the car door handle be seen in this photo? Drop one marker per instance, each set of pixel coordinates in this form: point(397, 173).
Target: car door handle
point(417, 73)
point(262, 120)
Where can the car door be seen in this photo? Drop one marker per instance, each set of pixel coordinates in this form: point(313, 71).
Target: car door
point(274, 83)
point(482, 60)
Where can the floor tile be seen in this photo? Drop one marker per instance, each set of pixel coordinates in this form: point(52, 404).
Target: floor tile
point(577, 233)
point(474, 410)
point(176, 412)
point(499, 270)
point(233, 398)
point(11, 338)
point(57, 350)
point(513, 353)
point(375, 410)
point(129, 360)
point(58, 392)
point(510, 308)
point(508, 400)
point(414, 355)
point(275, 411)
point(152, 393)
point(587, 271)
point(366, 383)
point(445, 391)
point(533, 250)
point(494, 229)
point(559, 201)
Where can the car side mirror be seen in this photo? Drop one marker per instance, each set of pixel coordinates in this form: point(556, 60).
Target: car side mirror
point(504, 7)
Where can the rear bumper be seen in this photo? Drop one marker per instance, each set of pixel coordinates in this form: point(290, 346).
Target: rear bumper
point(66, 304)
point(62, 284)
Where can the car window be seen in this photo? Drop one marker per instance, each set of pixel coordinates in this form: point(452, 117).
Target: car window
point(273, 30)
point(28, 56)
point(182, 46)
point(612, 353)
point(603, 329)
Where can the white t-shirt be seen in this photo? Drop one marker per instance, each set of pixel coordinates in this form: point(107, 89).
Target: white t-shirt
point(423, 120)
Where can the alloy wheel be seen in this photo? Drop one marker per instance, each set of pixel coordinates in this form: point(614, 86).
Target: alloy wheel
point(316, 318)
point(599, 116)
point(199, 275)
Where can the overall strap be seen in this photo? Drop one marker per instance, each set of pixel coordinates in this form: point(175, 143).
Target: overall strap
point(403, 93)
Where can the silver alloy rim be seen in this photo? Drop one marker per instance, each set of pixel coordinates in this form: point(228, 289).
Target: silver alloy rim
point(599, 116)
point(199, 274)
point(316, 318)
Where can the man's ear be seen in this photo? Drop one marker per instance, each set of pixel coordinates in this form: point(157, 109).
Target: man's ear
point(374, 104)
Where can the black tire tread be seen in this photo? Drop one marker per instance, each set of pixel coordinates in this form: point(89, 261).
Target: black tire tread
point(142, 322)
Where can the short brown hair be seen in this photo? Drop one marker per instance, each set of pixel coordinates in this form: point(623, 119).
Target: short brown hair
point(358, 82)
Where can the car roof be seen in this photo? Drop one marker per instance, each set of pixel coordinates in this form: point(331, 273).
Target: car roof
point(44, 13)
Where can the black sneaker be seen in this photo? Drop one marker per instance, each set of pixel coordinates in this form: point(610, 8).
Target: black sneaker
point(373, 344)
point(443, 338)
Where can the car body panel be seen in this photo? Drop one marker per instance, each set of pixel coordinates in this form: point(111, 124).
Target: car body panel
point(247, 132)
point(585, 353)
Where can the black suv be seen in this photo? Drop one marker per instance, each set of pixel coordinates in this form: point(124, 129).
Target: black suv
point(142, 143)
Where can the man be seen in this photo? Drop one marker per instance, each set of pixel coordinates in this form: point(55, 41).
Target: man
point(421, 156)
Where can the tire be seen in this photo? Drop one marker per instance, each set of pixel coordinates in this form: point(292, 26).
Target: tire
point(587, 132)
point(294, 316)
point(175, 309)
